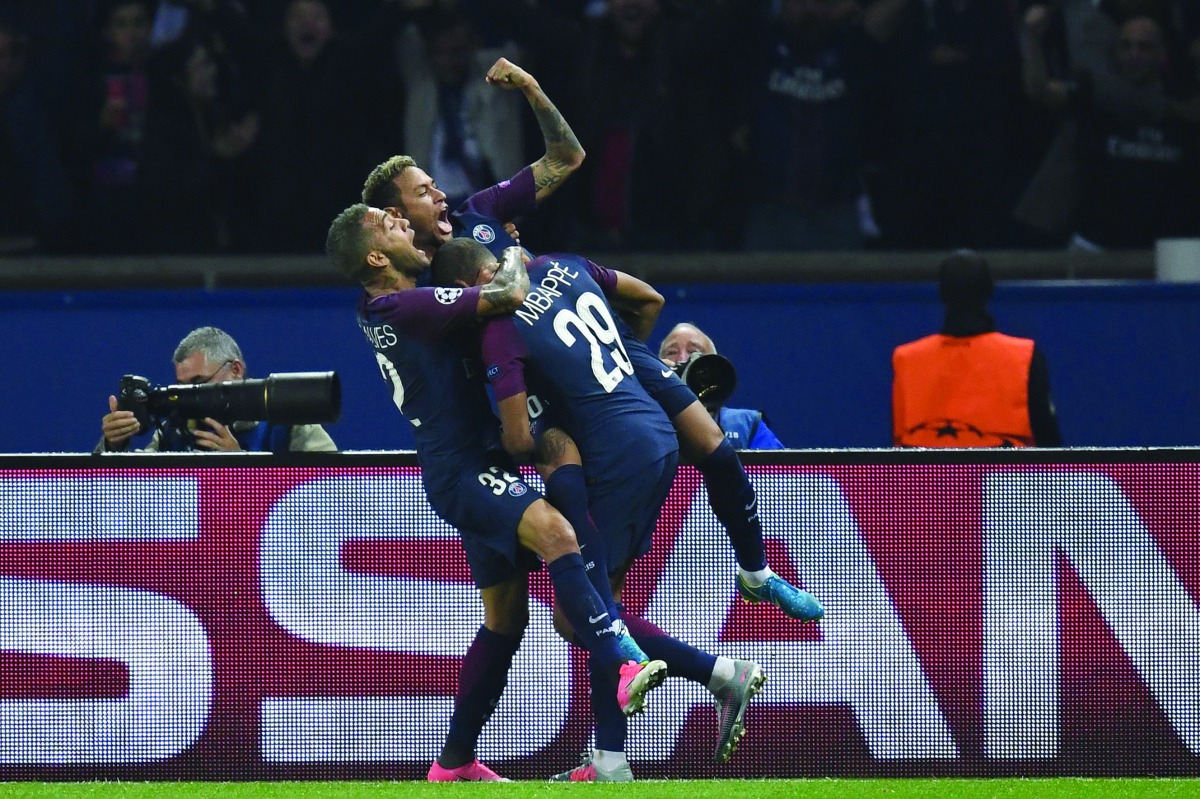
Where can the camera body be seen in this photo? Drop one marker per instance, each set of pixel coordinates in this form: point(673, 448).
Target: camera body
point(711, 376)
point(288, 398)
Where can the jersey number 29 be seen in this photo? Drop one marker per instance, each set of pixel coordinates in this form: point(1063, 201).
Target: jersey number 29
point(593, 321)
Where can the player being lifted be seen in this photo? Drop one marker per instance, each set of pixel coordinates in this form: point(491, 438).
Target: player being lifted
point(564, 341)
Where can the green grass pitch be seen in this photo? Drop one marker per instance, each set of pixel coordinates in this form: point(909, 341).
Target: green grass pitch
point(912, 788)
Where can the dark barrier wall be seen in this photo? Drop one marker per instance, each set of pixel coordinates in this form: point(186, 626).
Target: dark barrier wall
point(233, 617)
point(1124, 359)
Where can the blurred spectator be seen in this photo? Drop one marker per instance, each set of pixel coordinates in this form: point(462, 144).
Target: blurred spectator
point(814, 102)
point(765, 114)
point(970, 386)
point(330, 108)
point(194, 154)
point(1134, 157)
point(224, 29)
point(215, 70)
point(743, 427)
point(36, 203)
point(461, 130)
point(1079, 37)
point(114, 103)
point(949, 179)
point(62, 35)
point(643, 86)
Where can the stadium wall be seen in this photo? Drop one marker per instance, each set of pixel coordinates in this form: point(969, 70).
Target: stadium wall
point(816, 357)
point(259, 617)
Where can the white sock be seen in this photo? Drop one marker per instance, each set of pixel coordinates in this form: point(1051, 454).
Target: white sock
point(607, 761)
point(722, 673)
point(756, 578)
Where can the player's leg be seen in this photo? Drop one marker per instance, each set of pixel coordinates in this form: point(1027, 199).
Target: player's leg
point(547, 533)
point(607, 761)
point(730, 493)
point(733, 683)
point(482, 679)
point(628, 512)
point(560, 465)
point(486, 505)
point(735, 504)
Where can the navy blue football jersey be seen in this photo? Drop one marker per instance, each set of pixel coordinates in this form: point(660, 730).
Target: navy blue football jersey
point(482, 216)
point(564, 341)
point(479, 218)
point(425, 344)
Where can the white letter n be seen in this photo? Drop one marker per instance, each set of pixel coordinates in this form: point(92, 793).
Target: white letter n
point(1027, 519)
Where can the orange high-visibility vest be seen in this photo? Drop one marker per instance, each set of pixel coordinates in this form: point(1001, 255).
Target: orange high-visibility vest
point(971, 391)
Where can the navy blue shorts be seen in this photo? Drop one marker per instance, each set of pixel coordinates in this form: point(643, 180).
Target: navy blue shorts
point(486, 505)
point(626, 511)
point(659, 380)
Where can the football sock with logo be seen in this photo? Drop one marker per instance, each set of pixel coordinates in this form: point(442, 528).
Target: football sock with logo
point(567, 491)
point(481, 681)
point(611, 723)
point(585, 610)
point(683, 660)
point(735, 504)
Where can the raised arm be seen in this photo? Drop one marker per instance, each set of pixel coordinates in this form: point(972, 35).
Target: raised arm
point(1034, 72)
point(508, 288)
point(564, 154)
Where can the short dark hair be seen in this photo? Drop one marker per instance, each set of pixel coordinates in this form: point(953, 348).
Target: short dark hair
point(346, 243)
point(965, 279)
point(459, 259)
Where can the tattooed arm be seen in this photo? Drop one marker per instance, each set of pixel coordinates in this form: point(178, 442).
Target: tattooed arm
point(508, 288)
point(564, 154)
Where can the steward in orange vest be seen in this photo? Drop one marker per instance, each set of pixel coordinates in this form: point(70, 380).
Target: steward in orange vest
point(970, 386)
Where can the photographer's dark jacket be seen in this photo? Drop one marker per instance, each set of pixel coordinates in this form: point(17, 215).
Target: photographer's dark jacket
point(252, 436)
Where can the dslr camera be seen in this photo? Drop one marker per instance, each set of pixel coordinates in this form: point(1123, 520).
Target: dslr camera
point(711, 376)
point(284, 399)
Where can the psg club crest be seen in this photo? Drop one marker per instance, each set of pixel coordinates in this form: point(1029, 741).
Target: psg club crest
point(447, 296)
point(484, 234)
point(517, 489)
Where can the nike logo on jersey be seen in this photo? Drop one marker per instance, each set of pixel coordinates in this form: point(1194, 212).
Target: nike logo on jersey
point(594, 619)
point(666, 373)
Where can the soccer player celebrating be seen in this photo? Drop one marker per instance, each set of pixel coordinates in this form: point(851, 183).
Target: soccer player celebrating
point(401, 187)
point(420, 335)
point(565, 341)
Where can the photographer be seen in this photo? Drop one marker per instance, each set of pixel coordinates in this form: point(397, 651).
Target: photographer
point(713, 382)
point(208, 355)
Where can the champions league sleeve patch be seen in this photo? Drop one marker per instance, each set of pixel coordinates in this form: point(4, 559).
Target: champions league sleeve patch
point(447, 296)
point(484, 234)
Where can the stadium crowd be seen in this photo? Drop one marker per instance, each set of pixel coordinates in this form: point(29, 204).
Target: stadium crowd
point(241, 127)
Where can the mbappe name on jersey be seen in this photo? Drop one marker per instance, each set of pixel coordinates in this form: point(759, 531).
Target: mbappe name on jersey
point(539, 299)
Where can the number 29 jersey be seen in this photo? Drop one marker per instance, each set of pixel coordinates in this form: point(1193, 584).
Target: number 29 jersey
point(563, 342)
